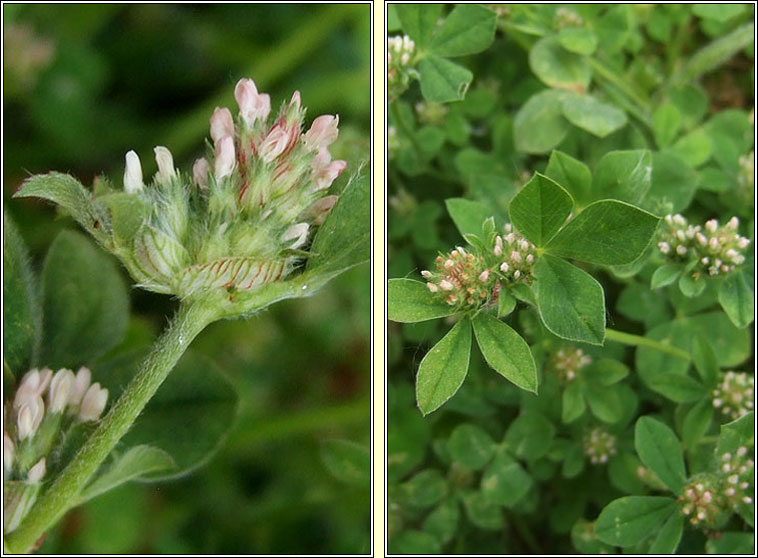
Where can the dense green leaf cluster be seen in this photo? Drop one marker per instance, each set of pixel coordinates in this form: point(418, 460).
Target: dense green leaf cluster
point(598, 133)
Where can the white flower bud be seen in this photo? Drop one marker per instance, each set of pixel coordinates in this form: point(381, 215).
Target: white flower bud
point(200, 171)
point(679, 220)
point(9, 451)
point(516, 274)
point(432, 287)
point(426, 274)
point(60, 390)
point(322, 133)
point(222, 124)
point(133, 174)
point(529, 259)
point(93, 403)
point(80, 387)
point(713, 243)
point(701, 238)
point(742, 242)
point(681, 250)
point(504, 267)
point(297, 233)
point(446, 285)
point(253, 106)
point(664, 247)
point(448, 264)
point(497, 250)
point(30, 416)
point(165, 160)
point(711, 225)
point(225, 158)
point(515, 256)
point(37, 472)
point(733, 223)
point(484, 275)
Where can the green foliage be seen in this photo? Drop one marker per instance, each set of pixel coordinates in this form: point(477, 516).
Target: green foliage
point(583, 133)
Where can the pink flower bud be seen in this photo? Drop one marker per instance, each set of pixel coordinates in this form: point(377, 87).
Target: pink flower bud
point(253, 106)
point(484, 275)
point(37, 472)
point(80, 387)
point(222, 124)
point(225, 158)
point(93, 403)
point(321, 208)
point(297, 233)
point(275, 143)
point(165, 160)
point(446, 285)
point(30, 416)
point(60, 390)
point(133, 174)
point(322, 132)
point(325, 178)
point(33, 384)
point(200, 171)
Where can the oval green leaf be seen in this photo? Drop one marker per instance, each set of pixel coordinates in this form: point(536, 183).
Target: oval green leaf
point(444, 368)
point(410, 301)
point(607, 232)
point(506, 351)
point(443, 81)
point(570, 301)
point(629, 520)
point(658, 448)
point(540, 208)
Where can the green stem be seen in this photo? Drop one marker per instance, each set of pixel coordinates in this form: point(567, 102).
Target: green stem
point(407, 132)
point(189, 321)
point(639, 341)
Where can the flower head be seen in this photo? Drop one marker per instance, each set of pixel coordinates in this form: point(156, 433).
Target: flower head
point(234, 222)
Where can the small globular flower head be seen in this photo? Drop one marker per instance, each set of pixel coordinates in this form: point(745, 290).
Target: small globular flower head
point(702, 501)
point(599, 445)
point(567, 363)
point(60, 390)
point(37, 472)
point(253, 106)
point(222, 124)
point(93, 403)
point(733, 396)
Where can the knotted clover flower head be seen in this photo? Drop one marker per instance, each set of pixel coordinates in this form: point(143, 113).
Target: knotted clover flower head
point(734, 394)
point(713, 249)
point(568, 361)
point(599, 445)
point(472, 278)
point(36, 425)
point(400, 59)
point(244, 215)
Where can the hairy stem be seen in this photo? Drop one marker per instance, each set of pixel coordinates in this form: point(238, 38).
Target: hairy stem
point(639, 341)
point(189, 321)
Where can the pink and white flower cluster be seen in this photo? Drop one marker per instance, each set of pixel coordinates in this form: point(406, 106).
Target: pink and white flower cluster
point(45, 404)
point(252, 201)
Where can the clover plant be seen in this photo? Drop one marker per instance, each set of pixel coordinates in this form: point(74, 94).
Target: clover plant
point(571, 189)
point(255, 221)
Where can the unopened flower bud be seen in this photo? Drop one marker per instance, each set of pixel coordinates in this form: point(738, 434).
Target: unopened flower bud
point(222, 124)
point(200, 171)
point(484, 275)
point(322, 133)
point(253, 106)
point(504, 267)
point(225, 158)
point(9, 451)
point(711, 225)
point(60, 390)
point(426, 274)
point(275, 143)
point(733, 223)
point(37, 472)
point(30, 417)
point(93, 403)
point(432, 287)
point(165, 160)
point(80, 387)
point(133, 174)
point(296, 234)
point(446, 285)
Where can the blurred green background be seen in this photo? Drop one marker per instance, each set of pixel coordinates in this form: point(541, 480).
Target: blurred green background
point(86, 83)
